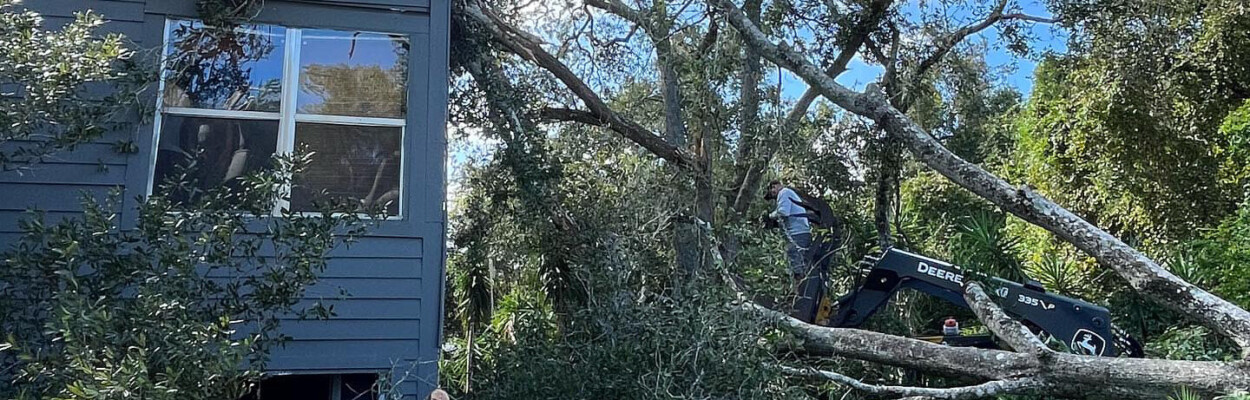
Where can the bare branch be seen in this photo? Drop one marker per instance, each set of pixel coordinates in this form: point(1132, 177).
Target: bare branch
point(670, 88)
point(1031, 18)
point(1002, 325)
point(527, 46)
point(1141, 272)
point(948, 42)
point(988, 389)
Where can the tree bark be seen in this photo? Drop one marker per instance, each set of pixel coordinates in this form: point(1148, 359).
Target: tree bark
point(1142, 273)
point(691, 251)
point(748, 118)
point(600, 114)
point(748, 182)
point(1002, 325)
point(887, 173)
point(984, 390)
point(1081, 376)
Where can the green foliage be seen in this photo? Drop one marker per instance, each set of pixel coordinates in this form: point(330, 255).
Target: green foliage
point(1127, 132)
point(637, 348)
point(1192, 343)
point(1185, 394)
point(184, 304)
point(48, 76)
point(983, 244)
point(1221, 258)
point(935, 210)
point(1235, 131)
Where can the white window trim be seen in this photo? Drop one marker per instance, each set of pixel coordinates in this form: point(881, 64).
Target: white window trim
point(287, 116)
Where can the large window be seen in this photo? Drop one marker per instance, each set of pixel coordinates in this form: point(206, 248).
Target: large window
point(233, 98)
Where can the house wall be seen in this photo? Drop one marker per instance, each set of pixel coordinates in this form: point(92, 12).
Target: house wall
point(391, 319)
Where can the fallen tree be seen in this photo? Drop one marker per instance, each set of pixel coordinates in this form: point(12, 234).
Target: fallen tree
point(1031, 368)
point(1141, 272)
point(1034, 369)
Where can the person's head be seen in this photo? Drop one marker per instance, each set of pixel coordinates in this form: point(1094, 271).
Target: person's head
point(439, 394)
point(774, 188)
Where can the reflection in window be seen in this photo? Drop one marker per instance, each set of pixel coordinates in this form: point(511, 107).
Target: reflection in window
point(352, 73)
point(221, 151)
point(224, 69)
point(224, 112)
point(356, 163)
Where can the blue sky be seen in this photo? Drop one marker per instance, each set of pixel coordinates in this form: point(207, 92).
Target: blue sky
point(1012, 70)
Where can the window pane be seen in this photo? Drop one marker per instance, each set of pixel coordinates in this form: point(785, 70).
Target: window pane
point(357, 163)
point(221, 150)
point(224, 69)
point(353, 73)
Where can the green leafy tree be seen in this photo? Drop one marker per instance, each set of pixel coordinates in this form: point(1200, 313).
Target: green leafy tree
point(183, 305)
point(46, 76)
point(1127, 132)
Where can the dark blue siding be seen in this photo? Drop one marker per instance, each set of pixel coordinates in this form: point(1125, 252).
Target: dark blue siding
point(385, 289)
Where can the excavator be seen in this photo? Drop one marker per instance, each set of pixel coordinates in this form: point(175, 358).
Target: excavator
point(1078, 326)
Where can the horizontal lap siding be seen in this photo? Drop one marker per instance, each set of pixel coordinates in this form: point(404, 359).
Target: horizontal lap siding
point(49, 196)
point(112, 10)
point(85, 153)
point(377, 309)
point(372, 355)
point(374, 290)
point(10, 221)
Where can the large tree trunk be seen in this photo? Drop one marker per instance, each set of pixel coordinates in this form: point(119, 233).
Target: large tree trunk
point(887, 175)
point(749, 132)
point(1073, 375)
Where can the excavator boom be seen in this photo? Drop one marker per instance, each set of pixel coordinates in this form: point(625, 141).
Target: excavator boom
point(1084, 327)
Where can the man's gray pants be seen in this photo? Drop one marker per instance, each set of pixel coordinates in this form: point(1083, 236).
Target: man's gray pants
point(811, 282)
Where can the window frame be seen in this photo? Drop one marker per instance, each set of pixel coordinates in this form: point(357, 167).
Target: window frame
point(288, 115)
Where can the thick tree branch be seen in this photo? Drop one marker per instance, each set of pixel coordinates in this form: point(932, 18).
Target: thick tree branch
point(1141, 272)
point(528, 47)
point(670, 86)
point(1081, 375)
point(624, 11)
point(748, 182)
point(629, 129)
point(748, 118)
point(988, 389)
point(1002, 325)
point(1031, 18)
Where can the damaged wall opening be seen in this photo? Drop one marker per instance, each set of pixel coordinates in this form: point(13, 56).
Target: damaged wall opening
point(318, 387)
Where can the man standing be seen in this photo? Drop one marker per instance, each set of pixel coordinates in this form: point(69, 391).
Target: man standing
point(798, 233)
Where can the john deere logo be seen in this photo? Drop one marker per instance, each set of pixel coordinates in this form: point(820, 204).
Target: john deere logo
point(1088, 343)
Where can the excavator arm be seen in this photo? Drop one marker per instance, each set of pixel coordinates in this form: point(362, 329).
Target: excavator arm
point(1084, 327)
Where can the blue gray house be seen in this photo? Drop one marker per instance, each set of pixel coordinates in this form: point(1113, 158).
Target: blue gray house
point(361, 82)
